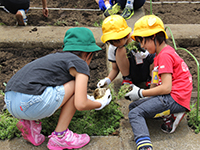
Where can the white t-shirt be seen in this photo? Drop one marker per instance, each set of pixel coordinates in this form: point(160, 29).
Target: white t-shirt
point(139, 56)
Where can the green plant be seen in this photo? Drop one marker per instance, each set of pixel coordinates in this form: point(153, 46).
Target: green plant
point(123, 90)
point(2, 93)
point(96, 24)
point(8, 128)
point(192, 120)
point(76, 23)
point(60, 23)
point(102, 122)
point(2, 24)
point(133, 46)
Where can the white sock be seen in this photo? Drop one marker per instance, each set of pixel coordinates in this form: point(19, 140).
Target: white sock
point(129, 3)
point(108, 6)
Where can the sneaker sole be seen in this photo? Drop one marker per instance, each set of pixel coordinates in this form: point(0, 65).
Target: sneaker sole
point(129, 16)
point(175, 124)
point(26, 134)
point(177, 121)
point(20, 19)
point(115, 9)
point(67, 147)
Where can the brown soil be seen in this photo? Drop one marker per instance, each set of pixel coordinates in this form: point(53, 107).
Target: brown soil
point(13, 59)
point(169, 13)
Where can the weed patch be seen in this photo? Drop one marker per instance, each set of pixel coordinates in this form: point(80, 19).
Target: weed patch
point(95, 123)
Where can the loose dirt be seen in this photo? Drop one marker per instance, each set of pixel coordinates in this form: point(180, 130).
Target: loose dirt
point(169, 13)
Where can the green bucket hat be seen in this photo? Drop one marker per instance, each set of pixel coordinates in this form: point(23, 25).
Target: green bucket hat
point(80, 39)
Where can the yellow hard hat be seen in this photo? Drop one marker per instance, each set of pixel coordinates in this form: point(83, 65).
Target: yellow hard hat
point(148, 25)
point(114, 27)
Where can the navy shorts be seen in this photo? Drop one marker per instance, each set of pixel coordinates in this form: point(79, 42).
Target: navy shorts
point(136, 5)
point(13, 5)
point(141, 72)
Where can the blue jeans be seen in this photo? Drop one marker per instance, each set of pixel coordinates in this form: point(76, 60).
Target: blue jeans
point(148, 108)
point(34, 107)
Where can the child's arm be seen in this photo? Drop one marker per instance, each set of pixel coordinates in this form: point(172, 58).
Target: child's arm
point(81, 102)
point(163, 89)
point(114, 72)
point(112, 75)
point(44, 10)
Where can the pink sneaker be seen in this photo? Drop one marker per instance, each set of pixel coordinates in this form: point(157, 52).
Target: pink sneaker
point(31, 131)
point(70, 140)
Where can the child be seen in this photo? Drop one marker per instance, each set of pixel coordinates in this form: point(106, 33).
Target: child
point(172, 96)
point(51, 82)
point(20, 8)
point(134, 66)
point(111, 7)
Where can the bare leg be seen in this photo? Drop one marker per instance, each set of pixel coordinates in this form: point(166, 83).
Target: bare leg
point(68, 109)
point(106, 2)
point(97, 1)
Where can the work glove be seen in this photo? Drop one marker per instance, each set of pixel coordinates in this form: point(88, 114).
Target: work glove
point(104, 82)
point(134, 94)
point(90, 97)
point(105, 100)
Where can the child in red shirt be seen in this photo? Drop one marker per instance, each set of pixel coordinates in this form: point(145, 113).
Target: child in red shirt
point(171, 97)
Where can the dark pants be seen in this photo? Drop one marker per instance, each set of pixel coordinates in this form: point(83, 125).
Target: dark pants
point(148, 108)
point(137, 3)
point(140, 72)
point(13, 6)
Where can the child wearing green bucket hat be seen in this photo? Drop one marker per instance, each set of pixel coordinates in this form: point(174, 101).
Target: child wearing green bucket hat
point(134, 63)
point(57, 80)
point(170, 99)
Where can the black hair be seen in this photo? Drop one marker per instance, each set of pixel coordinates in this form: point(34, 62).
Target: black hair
point(116, 40)
point(160, 37)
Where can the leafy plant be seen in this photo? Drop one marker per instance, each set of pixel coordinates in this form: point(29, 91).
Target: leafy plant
point(123, 90)
point(98, 24)
point(60, 23)
point(76, 23)
point(2, 24)
point(134, 46)
point(8, 128)
point(193, 121)
point(2, 93)
point(102, 122)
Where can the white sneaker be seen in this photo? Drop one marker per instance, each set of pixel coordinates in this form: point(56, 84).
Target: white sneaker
point(21, 18)
point(171, 122)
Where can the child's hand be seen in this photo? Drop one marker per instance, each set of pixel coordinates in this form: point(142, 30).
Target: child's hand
point(45, 12)
point(104, 82)
point(105, 100)
point(134, 94)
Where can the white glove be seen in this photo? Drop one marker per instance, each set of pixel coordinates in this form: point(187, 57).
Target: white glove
point(134, 94)
point(90, 97)
point(105, 100)
point(104, 82)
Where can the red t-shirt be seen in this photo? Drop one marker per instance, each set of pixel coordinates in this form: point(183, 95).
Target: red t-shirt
point(168, 61)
